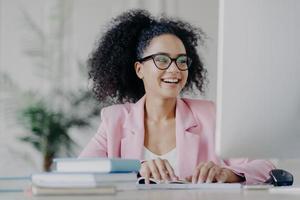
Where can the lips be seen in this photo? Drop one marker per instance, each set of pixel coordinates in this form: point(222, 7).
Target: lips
point(170, 80)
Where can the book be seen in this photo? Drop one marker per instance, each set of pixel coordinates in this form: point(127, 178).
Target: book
point(14, 183)
point(104, 190)
point(72, 179)
point(181, 184)
point(141, 180)
point(104, 165)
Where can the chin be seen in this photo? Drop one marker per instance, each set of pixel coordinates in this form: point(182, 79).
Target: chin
point(170, 95)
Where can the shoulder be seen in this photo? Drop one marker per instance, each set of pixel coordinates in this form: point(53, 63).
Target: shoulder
point(201, 108)
point(204, 105)
point(116, 111)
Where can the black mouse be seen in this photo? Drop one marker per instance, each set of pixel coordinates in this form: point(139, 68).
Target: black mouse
point(280, 177)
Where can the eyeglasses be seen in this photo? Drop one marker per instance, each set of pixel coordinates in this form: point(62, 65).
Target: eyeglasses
point(163, 61)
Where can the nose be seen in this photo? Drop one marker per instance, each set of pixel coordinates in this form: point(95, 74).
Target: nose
point(173, 67)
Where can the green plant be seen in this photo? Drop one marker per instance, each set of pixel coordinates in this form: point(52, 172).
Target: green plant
point(54, 109)
point(49, 131)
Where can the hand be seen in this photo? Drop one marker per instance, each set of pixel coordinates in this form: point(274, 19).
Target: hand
point(209, 172)
point(158, 169)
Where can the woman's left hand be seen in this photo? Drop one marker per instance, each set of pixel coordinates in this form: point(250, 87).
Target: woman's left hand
point(209, 172)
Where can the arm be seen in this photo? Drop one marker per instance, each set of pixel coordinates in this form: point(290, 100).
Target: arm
point(254, 171)
point(238, 170)
point(97, 147)
point(233, 171)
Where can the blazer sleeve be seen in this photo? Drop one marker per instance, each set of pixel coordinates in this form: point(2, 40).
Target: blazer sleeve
point(254, 171)
point(97, 146)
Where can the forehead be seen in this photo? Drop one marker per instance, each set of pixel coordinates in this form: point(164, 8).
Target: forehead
point(166, 43)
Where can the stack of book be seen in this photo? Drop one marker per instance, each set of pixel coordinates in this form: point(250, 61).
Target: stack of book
point(14, 184)
point(86, 176)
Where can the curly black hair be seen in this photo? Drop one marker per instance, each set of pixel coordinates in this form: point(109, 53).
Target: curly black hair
point(111, 64)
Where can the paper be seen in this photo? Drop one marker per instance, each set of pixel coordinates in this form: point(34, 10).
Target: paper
point(216, 186)
point(285, 190)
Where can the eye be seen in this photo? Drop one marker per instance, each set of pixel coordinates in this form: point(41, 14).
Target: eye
point(161, 59)
point(181, 60)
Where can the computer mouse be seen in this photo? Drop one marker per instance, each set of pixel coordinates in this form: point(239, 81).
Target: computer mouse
point(280, 177)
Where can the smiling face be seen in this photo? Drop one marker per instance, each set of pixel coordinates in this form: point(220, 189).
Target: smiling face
point(163, 83)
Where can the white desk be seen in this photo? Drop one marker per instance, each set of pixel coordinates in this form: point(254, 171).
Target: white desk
point(165, 194)
point(200, 194)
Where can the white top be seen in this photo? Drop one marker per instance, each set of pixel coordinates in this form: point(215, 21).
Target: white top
point(171, 156)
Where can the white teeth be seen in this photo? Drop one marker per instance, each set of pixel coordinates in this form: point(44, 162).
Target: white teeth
point(169, 80)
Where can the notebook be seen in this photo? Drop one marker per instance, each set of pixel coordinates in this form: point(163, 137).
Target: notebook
point(154, 184)
point(14, 183)
point(141, 180)
point(72, 179)
point(36, 190)
point(104, 165)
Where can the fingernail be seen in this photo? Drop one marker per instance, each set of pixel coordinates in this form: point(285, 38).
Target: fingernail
point(208, 181)
point(200, 180)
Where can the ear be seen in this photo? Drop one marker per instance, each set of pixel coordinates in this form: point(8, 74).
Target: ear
point(139, 69)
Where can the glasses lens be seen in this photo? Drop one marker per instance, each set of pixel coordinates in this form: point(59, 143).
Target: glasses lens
point(162, 61)
point(182, 62)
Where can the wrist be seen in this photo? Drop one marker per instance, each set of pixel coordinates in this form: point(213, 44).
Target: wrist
point(235, 178)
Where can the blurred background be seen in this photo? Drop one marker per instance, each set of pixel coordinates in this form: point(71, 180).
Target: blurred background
point(46, 108)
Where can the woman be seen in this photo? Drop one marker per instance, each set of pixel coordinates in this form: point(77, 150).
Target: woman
point(152, 61)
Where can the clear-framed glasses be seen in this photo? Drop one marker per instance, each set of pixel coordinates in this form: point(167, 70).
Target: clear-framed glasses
point(163, 61)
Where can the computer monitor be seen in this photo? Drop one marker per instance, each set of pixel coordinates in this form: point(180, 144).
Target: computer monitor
point(258, 92)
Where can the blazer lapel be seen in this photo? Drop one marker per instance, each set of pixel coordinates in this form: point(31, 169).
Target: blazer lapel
point(187, 136)
point(133, 142)
point(187, 139)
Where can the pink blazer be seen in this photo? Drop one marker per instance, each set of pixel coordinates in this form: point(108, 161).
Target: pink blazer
point(121, 134)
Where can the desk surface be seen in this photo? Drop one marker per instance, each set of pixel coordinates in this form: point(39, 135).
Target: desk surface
point(165, 194)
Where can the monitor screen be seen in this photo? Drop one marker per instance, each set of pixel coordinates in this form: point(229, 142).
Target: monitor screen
point(258, 97)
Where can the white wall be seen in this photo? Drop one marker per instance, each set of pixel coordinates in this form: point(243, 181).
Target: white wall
point(87, 17)
point(260, 80)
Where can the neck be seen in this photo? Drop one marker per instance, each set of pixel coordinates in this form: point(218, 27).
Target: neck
point(159, 109)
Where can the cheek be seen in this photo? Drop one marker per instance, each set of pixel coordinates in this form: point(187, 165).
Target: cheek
point(151, 75)
point(185, 77)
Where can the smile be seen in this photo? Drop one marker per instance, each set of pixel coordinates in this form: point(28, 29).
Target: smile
point(171, 80)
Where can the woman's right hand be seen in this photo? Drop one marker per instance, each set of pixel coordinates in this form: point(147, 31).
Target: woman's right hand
point(158, 169)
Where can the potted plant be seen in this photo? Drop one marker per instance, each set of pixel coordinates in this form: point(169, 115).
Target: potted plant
point(49, 120)
point(49, 130)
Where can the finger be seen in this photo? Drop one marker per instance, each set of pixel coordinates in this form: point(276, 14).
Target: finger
point(222, 176)
point(162, 169)
point(215, 170)
point(145, 172)
point(147, 175)
point(188, 179)
point(196, 173)
point(154, 170)
point(204, 172)
point(170, 171)
point(143, 168)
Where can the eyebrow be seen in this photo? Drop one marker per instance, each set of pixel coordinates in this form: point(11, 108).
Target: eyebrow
point(177, 55)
